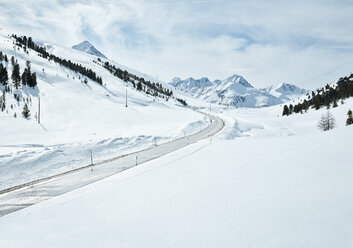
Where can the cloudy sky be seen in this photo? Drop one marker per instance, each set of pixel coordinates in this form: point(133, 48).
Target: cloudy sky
point(308, 43)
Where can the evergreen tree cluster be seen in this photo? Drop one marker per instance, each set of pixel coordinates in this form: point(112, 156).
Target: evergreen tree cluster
point(323, 97)
point(182, 101)
point(27, 77)
point(28, 43)
point(4, 77)
point(3, 57)
point(139, 83)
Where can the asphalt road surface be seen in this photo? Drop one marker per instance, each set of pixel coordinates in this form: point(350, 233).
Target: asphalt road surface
point(25, 195)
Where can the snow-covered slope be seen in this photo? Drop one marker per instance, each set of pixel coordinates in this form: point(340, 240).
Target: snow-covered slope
point(236, 91)
point(286, 92)
point(77, 117)
point(279, 183)
point(87, 47)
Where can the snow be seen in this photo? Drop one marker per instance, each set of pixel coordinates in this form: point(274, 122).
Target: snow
point(286, 92)
point(77, 118)
point(280, 183)
point(87, 47)
point(236, 91)
point(265, 180)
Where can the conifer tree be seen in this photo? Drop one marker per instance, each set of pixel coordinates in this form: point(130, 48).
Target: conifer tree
point(26, 112)
point(285, 110)
point(350, 118)
point(4, 78)
point(290, 108)
point(139, 86)
point(32, 80)
point(3, 101)
point(27, 77)
point(16, 78)
point(13, 62)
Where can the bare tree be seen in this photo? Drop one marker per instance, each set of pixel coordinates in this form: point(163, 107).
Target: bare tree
point(326, 122)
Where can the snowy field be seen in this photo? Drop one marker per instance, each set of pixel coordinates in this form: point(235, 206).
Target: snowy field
point(77, 118)
point(264, 181)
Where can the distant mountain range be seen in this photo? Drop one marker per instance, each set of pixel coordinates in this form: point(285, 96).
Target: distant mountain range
point(236, 91)
point(87, 47)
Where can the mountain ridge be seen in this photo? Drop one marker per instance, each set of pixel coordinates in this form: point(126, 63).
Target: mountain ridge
point(237, 91)
point(87, 47)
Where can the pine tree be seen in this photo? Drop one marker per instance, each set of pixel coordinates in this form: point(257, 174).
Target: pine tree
point(350, 118)
point(27, 77)
point(139, 86)
point(285, 110)
point(16, 78)
point(4, 78)
point(13, 62)
point(26, 112)
point(3, 101)
point(32, 80)
point(290, 108)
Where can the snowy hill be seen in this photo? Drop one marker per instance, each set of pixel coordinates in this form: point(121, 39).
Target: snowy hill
point(77, 114)
point(278, 182)
point(236, 91)
point(87, 47)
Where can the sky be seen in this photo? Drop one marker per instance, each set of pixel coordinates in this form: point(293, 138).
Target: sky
point(307, 43)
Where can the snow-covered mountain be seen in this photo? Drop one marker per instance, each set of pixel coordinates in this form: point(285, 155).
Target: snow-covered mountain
point(87, 47)
point(78, 111)
point(286, 92)
point(236, 91)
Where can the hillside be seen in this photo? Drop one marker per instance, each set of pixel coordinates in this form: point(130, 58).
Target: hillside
point(328, 96)
point(236, 91)
point(264, 181)
point(77, 114)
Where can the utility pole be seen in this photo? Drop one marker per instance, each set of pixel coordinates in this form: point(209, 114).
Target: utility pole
point(126, 99)
point(91, 158)
point(38, 109)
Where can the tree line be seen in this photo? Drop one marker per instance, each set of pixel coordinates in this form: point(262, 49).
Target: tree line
point(26, 43)
point(27, 77)
point(325, 96)
point(139, 83)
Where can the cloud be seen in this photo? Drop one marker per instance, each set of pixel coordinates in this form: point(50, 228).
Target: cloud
point(301, 42)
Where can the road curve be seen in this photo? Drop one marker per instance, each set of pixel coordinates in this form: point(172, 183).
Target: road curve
point(22, 196)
